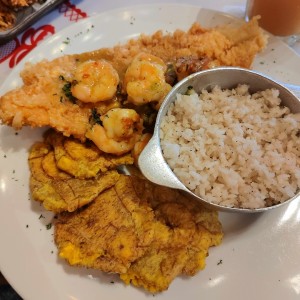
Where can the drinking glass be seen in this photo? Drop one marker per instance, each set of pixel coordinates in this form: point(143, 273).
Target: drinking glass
point(279, 17)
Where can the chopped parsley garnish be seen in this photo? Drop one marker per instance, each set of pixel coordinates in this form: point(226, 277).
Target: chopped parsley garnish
point(189, 90)
point(90, 28)
point(67, 89)
point(119, 89)
point(95, 117)
point(67, 41)
point(220, 262)
point(49, 226)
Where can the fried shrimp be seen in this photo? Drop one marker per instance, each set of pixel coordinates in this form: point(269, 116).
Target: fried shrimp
point(121, 128)
point(144, 79)
point(95, 81)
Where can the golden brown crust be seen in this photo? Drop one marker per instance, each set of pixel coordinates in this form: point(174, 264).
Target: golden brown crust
point(41, 102)
point(147, 233)
point(58, 190)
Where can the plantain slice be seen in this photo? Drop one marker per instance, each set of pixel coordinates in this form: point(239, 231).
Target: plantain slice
point(83, 160)
point(58, 190)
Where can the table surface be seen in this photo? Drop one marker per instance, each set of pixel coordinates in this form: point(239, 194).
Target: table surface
point(73, 11)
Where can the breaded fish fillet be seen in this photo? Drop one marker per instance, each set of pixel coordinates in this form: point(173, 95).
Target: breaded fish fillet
point(147, 233)
point(56, 189)
point(45, 99)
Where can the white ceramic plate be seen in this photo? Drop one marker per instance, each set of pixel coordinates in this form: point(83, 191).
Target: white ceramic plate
point(259, 257)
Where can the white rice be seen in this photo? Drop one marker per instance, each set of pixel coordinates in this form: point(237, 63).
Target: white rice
point(232, 148)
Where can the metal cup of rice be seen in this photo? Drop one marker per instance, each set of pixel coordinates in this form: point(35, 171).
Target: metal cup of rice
point(228, 137)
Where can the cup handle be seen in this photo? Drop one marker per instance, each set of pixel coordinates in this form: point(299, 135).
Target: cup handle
point(154, 167)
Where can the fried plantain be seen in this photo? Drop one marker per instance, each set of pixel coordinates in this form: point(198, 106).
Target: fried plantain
point(83, 160)
point(147, 233)
point(56, 189)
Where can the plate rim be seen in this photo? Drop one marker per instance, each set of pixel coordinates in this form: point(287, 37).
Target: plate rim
point(89, 20)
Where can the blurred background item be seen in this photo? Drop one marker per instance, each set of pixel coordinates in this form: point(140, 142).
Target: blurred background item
point(7, 17)
point(279, 17)
point(17, 15)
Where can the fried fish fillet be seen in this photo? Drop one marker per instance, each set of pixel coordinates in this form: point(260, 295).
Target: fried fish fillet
point(147, 233)
point(83, 160)
point(43, 100)
point(56, 189)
